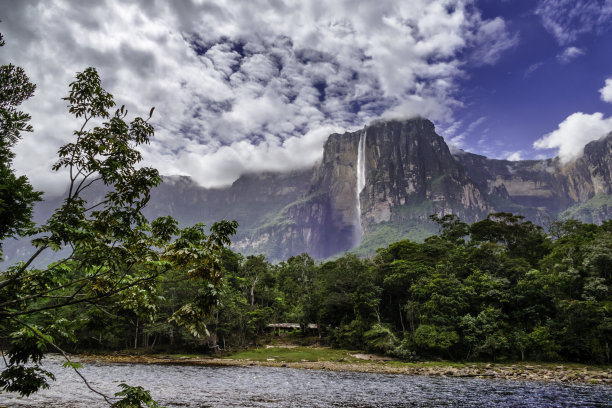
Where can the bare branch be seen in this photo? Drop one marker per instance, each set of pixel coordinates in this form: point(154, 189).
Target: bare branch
point(63, 353)
point(23, 268)
point(41, 272)
point(91, 300)
point(80, 187)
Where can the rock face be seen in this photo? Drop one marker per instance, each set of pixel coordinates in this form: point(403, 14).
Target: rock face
point(408, 167)
point(543, 189)
point(253, 199)
point(408, 173)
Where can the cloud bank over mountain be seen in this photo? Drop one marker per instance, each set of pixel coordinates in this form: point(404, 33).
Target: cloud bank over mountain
point(574, 133)
point(245, 86)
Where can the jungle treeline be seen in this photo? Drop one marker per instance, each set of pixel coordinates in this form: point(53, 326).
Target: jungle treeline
point(499, 289)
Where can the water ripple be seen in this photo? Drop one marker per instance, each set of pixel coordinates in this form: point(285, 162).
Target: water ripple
point(265, 387)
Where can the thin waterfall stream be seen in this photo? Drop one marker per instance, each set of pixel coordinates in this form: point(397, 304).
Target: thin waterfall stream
point(361, 179)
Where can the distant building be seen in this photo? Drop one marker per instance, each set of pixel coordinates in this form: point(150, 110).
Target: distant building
point(290, 326)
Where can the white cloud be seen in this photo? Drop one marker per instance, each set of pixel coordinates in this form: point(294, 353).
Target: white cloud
point(493, 39)
point(606, 91)
point(238, 85)
point(514, 156)
point(569, 54)
point(472, 126)
point(574, 133)
point(457, 141)
point(228, 162)
point(533, 68)
point(567, 20)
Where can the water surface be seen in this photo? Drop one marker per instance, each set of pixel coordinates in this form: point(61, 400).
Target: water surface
point(202, 386)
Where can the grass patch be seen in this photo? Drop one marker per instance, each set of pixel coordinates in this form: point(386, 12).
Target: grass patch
point(383, 234)
point(296, 354)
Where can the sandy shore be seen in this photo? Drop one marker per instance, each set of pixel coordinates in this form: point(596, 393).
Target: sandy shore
point(534, 372)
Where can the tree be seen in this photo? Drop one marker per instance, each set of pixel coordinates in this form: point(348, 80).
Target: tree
point(254, 270)
point(484, 333)
point(296, 282)
point(17, 196)
point(114, 255)
point(452, 229)
point(521, 238)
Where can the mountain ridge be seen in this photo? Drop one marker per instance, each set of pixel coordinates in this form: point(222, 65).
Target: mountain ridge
point(408, 173)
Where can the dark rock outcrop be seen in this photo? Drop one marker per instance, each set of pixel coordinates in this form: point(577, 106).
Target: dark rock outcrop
point(542, 188)
point(408, 164)
point(411, 173)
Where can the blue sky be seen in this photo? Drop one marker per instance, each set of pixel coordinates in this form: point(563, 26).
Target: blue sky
point(258, 86)
point(533, 87)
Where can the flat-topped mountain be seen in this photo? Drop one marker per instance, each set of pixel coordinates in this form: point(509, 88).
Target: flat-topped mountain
point(379, 185)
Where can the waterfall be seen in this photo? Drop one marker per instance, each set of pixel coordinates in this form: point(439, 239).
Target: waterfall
point(361, 175)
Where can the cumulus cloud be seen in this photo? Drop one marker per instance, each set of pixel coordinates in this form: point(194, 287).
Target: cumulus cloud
point(228, 162)
point(569, 54)
point(245, 86)
point(574, 133)
point(514, 156)
point(567, 20)
point(606, 91)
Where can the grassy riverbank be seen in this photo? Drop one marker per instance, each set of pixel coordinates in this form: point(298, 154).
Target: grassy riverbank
point(323, 358)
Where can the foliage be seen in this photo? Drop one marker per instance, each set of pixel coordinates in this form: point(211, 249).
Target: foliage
point(380, 339)
point(403, 351)
point(114, 261)
point(498, 289)
point(17, 196)
point(473, 292)
point(134, 397)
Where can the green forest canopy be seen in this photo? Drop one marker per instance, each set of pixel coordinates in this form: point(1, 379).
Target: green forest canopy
point(499, 289)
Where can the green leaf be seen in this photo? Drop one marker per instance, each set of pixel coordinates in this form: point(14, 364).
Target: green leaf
point(72, 364)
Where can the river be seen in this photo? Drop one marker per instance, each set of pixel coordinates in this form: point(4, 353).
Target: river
point(253, 386)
